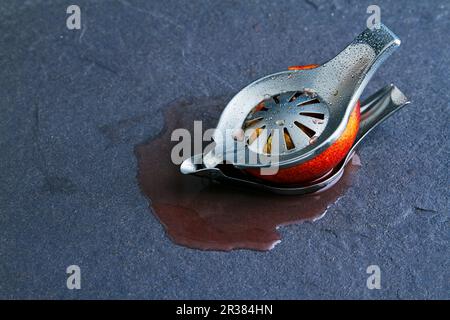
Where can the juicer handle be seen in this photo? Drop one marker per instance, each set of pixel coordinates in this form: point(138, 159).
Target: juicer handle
point(354, 66)
point(378, 107)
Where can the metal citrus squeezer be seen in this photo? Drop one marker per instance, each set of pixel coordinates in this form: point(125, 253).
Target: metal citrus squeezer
point(326, 94)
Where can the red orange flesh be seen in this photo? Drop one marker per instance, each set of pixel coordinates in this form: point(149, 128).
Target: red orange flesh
point(309, 66)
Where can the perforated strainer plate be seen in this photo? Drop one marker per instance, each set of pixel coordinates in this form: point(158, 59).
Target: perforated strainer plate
point(285, 123)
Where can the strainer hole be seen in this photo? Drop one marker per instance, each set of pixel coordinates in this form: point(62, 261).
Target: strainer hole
point(276, 98)
point(312, 101)
point(252, 122)
point(288, 139)
point(255, 134)
point(295, 96)
point(268, 146)
point(308, 131)
point(316, 115)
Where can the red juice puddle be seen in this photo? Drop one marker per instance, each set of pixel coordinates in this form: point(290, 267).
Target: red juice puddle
point(200, 214)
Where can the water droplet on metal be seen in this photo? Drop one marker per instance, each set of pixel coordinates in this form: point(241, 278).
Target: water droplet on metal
point(238, 135)
point(313, 139)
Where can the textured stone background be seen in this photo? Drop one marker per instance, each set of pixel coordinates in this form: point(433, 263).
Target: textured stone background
point(75, 103)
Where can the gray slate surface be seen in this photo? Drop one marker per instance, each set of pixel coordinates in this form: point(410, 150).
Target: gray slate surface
point(75, 103)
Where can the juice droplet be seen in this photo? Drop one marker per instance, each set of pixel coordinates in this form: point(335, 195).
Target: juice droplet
point(313, 139)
